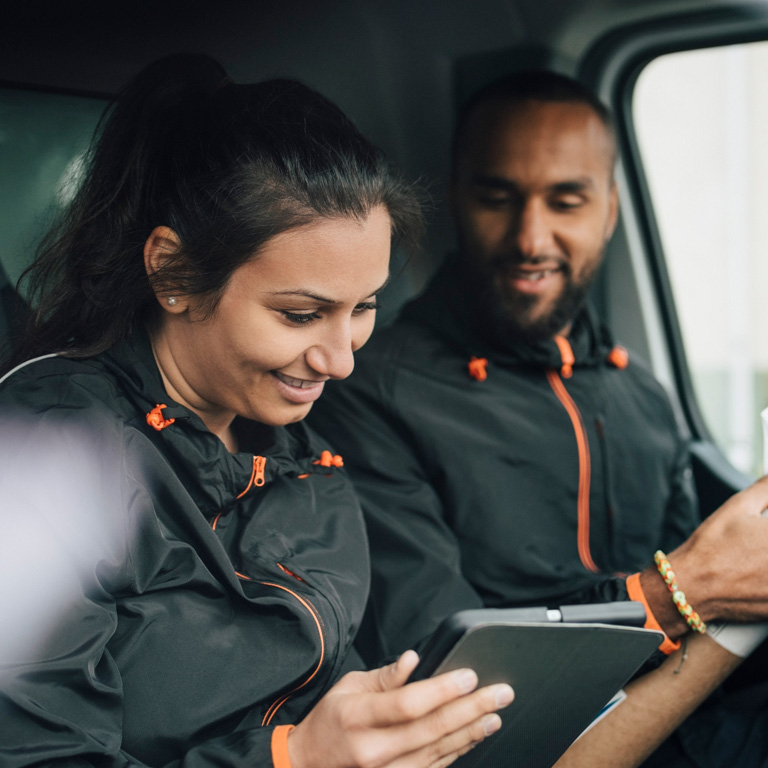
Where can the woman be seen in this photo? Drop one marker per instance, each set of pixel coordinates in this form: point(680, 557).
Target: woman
point(220, 262)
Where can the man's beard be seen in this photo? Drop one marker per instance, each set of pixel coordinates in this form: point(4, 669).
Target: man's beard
point(507, 313)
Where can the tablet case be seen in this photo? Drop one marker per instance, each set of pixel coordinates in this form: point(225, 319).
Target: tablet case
point(562, 673)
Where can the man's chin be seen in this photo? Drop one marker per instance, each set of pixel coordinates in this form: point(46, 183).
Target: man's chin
point(539, 321)
point(531, 332)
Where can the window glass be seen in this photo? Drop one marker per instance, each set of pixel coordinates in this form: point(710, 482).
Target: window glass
point(701, 119)
point(42, 140)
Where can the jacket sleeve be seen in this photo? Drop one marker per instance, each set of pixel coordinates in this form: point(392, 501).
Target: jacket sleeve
point(416, 578)
point(63, 555)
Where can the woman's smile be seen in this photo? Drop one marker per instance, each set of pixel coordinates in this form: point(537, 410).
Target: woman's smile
point(298, 390)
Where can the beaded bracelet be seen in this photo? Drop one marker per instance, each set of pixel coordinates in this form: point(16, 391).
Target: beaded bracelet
point(692, 619)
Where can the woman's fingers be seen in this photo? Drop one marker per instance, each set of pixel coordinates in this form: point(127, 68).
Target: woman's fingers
point(456, 724)
point(399, 703)
point(375, 719)
point(431, 721)
point(415, 700)
point(444, 751)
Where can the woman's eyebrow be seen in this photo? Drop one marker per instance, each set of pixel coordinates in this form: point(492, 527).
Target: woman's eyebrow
point(322, 299)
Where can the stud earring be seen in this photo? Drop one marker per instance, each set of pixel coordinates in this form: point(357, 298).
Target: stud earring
point(171, 300)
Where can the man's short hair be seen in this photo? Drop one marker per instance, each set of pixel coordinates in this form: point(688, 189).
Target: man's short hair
point(529, 85)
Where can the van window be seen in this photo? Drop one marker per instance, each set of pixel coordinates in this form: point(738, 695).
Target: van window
point(42, 140)
point(701, 118)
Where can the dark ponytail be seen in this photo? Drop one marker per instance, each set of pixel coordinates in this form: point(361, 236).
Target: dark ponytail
point(226, 166)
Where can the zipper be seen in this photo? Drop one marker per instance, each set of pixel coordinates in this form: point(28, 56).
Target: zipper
point(585, 469)
point(277, 703)
point(257, 480)
point(257, 475)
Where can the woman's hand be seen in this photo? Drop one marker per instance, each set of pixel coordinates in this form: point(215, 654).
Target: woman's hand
point(373, 720)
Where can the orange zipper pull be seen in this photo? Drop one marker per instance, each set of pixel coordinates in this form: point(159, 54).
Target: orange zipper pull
point(257, 474)
point(259, 462)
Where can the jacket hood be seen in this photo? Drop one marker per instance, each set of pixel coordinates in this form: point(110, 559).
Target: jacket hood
point(447, 308)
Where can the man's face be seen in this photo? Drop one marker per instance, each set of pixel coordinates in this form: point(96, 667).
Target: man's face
point(535, 204)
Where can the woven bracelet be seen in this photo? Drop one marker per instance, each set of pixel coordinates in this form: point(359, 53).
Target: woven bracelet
point(692, 619)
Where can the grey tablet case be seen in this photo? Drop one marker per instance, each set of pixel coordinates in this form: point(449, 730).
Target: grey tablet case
point(563, 674)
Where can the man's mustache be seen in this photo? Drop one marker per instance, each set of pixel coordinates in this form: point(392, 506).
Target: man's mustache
point(509, 261)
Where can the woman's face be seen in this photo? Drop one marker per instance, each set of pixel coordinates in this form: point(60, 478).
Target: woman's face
point(288, 321)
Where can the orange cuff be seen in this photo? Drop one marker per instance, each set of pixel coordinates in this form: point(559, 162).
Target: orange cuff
point(280, 757)
point(636, 593)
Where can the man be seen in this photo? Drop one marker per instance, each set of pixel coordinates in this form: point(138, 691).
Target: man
point(506, 451)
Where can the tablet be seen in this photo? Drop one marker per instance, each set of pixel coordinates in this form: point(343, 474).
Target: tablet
point(564, 664)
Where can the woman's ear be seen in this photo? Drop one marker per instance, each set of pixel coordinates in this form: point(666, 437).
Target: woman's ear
point(161, 245)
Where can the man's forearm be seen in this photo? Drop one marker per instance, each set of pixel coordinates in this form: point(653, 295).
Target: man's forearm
point(656, 704)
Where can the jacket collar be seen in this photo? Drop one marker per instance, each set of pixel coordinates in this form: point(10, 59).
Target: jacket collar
point(214, 477)
point(449, 312)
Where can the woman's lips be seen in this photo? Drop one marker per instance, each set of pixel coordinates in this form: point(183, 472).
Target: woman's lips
point(298, 390)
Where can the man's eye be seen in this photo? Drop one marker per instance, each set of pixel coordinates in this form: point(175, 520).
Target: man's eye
point(300, 318)
point(567, 203)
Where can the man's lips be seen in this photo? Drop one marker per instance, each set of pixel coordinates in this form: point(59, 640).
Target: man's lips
point(298, 390)
point(534, 275)
point(534, 278)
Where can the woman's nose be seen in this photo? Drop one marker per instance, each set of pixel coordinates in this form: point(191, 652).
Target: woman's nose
point(333, 354)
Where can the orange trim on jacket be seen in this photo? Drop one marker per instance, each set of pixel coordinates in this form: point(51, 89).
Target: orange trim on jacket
point(585, 469)
point(636, 593)
point(280, 756)
point(567, 357)
point(270, 713)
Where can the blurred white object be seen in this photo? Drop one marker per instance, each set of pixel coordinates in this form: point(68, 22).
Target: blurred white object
point(55, 531)
point(764, 417)
point(742, 639)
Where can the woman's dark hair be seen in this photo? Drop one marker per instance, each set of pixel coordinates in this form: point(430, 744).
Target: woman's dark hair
point(226, 166)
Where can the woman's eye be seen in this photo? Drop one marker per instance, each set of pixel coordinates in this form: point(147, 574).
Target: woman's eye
point(300, 318)
point(366, 306)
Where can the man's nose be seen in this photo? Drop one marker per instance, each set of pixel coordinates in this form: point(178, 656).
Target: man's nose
point(533, 229)
point(332, 355)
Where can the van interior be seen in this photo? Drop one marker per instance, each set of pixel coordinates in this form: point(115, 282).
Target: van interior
point(684, 279)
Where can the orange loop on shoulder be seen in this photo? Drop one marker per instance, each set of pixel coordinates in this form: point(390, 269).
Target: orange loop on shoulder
point(619, 357)
point(327, 459)
point(156, 420)
point(567, 358)
point(478, 368)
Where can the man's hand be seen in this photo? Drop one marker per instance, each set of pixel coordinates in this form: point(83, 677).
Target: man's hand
point(722, 568)
point(373, 720)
